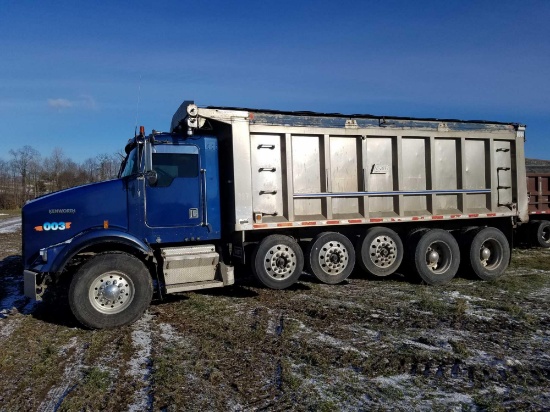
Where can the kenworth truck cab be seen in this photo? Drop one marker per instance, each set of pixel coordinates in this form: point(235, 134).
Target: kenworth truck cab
point(280, 191)
point(166, 195)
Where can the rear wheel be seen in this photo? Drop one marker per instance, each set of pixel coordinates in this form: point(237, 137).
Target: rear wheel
point(110, 290)
point(541, 233)
point(277, 262)
point(436, 257)
point(330, 257)
point(489, 253)
point(380, 251)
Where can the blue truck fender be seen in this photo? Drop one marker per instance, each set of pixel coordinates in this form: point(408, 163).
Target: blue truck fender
point(64, 252)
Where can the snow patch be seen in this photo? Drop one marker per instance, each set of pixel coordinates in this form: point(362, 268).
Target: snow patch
point(457, 295)
point(392, 380)
point(337, 343)
point(14, 300)
point(70, 378)
point(140, 365)
point(9, 327)
point(10, 225)
point(422, 345)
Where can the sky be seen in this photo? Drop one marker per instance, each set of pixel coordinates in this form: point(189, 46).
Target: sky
point(80, 75)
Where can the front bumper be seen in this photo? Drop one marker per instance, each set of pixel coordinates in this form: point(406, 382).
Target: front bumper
point(34, 286)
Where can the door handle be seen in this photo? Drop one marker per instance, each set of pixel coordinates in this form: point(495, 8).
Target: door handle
point(205, 201)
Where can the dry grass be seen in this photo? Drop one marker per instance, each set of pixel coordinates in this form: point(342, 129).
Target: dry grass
point(367, 344)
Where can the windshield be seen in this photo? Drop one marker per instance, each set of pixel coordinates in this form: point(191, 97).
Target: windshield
point(129, 165)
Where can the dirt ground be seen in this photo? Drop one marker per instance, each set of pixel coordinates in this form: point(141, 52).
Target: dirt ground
point(363, 345)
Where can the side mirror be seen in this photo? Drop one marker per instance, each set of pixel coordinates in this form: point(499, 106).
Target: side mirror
point(152, 177)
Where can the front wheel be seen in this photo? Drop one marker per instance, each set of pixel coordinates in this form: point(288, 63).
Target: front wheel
point(110, 290)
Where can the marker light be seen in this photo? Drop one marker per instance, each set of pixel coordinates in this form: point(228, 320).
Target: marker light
point(142, 130)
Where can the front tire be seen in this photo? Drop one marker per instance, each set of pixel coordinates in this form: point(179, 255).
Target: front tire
point(277, 262)
point(110, 290)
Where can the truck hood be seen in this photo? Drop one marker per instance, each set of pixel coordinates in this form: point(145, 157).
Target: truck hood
point(58, 217)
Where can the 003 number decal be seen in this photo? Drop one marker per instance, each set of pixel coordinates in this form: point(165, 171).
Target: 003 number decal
point(53, 226)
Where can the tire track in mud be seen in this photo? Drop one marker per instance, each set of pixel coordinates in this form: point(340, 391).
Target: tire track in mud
point(10, 225)
point(71, 376)
point(141, 365)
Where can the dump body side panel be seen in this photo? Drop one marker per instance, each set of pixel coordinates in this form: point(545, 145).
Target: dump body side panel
point(538, 186)
point(295, 170)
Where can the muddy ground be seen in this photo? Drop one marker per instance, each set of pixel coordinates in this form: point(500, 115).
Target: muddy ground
point(363, 345)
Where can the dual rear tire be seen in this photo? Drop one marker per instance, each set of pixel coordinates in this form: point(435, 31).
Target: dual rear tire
point(487, 251)
point(437, 256)
point(540, 233)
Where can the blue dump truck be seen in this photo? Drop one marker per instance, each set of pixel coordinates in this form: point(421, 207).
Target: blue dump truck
point(282, 192)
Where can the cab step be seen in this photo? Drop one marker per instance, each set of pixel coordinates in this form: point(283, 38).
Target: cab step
point(193, 268)
point(186, 287)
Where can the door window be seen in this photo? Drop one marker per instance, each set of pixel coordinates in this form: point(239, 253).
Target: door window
point(173, 165)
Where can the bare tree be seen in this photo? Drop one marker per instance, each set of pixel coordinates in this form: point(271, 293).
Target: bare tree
point(53, 167)
point(7, 199)
point(108, 166)
point(26, 175)
point(21, 162)
point(91, 169)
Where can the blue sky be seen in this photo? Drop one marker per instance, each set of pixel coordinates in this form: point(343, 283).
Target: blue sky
point(70, 70)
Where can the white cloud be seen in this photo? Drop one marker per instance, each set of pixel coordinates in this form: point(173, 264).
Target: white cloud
point(60, 103)
point(85, 101)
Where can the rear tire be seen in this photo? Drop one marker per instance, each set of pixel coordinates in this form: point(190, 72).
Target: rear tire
point(437, 257)
point(489, 253)
point(380, 251)
point(277, 262)
point(110, 290)
point(330, 257)
point(540, 233)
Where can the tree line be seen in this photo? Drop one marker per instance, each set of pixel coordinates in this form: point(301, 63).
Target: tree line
point(26, 174)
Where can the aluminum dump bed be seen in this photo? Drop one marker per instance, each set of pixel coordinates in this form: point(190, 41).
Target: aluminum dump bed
point(294, 169)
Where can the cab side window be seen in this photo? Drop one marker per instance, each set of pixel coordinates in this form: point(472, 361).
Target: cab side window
point(170, 166)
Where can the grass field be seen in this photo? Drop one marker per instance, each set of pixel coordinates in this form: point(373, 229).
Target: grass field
point(363, 345)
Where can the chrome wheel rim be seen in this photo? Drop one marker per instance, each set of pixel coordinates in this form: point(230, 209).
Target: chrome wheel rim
point(438, 257)
point(333, 258)
point(111, 292)
point(490, 254)
point(383, 251)
point(545, 235)
point(280, 262)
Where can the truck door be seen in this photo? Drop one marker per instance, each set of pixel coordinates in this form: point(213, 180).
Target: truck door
point(175, 199)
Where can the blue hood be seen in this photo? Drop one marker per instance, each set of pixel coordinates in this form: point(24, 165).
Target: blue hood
point(59, 216)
